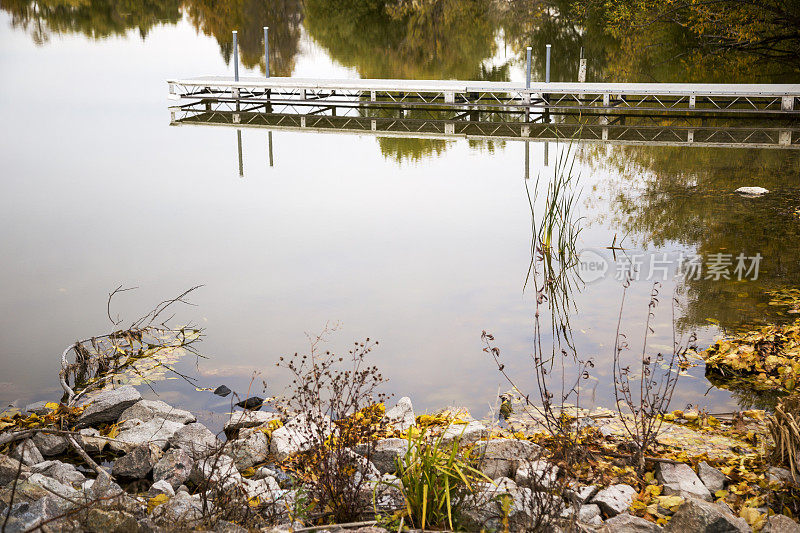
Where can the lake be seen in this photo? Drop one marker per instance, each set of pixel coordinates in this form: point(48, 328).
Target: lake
point(419, 243)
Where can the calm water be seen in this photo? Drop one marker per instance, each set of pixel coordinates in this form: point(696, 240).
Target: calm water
point(420, 244)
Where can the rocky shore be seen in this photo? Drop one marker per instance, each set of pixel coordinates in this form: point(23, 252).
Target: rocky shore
point(129, 464)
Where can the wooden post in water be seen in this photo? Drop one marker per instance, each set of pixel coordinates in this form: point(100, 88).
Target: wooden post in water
point(582, 68)
point(241, 161)
point(266, 49)
point(235, 61)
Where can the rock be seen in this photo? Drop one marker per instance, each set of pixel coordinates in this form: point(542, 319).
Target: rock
point(196, 439)
point(62, 472)
point(297, 435)
point(52, 486)
point(384, 454)
point(222, 390)
point(250, 450)
point(401, 416)
point(615, 499)
point(104, 487)
point(157, 431)
point(781, 475)
point(502, 457)
point(465, 433)
point(39, 408)
point(107, 405)
point(9, 467)
point(253, 402)
point(27, 452)
point(625, 523)
point(26, 516)
point(50, 444)
point(752, 191)
point(223, 526)
point(265, 489)
point(107, 520)
point(505, 484)
point(712, 478)
point(780, 524)
point(137, 463)
point(247, 419)
point(146, 410)
point(89, 439)
point(587, 512)
point(263, 471)
point(530, 507)
point(700, 516)
point(538, 475)
point(217, 469)
point(182, 509)
point(580, 494)
point(174, 467)
point(680, 479)
point(161, 486)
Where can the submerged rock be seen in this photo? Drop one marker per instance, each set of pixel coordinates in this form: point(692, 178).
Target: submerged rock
point(107, 405)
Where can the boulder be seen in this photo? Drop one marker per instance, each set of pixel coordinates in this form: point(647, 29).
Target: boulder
point(752, 191)
point(401, 416)
point(580, 494)
point(679, 479)
point(538, 475)
point(109, 520)
point(384, 453)
point(781, 475)
point(90, 440)
point(27, 452)
point(196, 439)
point(217, 470)
point(174, 467)
point(107, 405)
point(712, 478)
point(530, 507)
point(66, 492)
point(247, 419)
point(39, 408)
point(157, 431)
point(265, 489)
point(161, 486)
point(137, 463)
point(104, 487)
point(50, 444)
point(250, 450)
point(467, 433)
point(780, 523)
point(26, 516)
point(9, 467)
point(502, 457)
point(297, 435)
point(625, 523)
point(181, 511)
point(699, 516)
point(587, 512)
point(62, 472)
point(615, 499)
point(146, 410)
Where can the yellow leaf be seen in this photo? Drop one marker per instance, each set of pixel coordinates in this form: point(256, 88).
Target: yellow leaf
point(155, 501)
point(752, 517)
point(53, 406)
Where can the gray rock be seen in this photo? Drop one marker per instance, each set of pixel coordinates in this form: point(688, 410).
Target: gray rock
point(752, 191)
point(38, 408)
point(505, 484)
point(680, 479)
point(157, 431)
point(467, 433)
point(247, 419)
point(89, 439)
point(401, 416)
point(52, 486)
point(615, 499)
point(174, 467)
point(265, 489)
point(9, 467)
point(502, 457)
point(384, 454)
point(104, 520)
point(104, 487)
point(263, 471)
point(587, 512)
point(223, 526)
point(530, 507)
point(580, 493)
point(137, 463)
point(250, 450)
point(297, 435)
point(50, 444)
point(27, 452)
point(146, 410)
point(700, 516)
point(181, 509)
point(216, 470)
point(780, 524)
point(161, 486)
point(625, 523)
point(196, 439)
point(537, 474)
point(780, 475)
point(27, 515)
point(712, 478)
point(62, 472)
point(107, 405)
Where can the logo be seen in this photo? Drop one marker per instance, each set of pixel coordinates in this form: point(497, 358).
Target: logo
point(591, 266)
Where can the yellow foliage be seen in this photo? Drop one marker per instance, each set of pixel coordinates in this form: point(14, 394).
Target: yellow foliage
point(155, 501)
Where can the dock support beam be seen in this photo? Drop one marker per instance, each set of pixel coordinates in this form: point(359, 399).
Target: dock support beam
point(528, 70)
point(787, 103)
point(235, 55)
point(547, 65)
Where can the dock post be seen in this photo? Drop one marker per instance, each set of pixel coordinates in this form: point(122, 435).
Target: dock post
point(239, 145)
point(582, 68)
point(527, 160)
point(547, 65)
point(787, 103)
point(235, 55)
point(266, 49)
point(528, 70)
point(269, 137)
